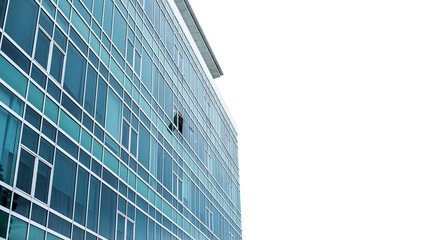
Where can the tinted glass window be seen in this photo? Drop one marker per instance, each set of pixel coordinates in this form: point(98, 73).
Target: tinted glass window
point(9, 139)
point(21, 23)
point(25, 172)
point(42, 182)
point(74, 74)
point(42, 49)
point(63, 184)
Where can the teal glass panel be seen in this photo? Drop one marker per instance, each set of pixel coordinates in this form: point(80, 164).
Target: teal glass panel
point(52, 237)
point(63, 184)
point(10, 129)
point(35, 96)
point(86, 140)
point(49, 7)
point(80, 25)
point(114, 114)
point(39, 214)
point(38, 76)
point(3, 5)
point(97, 150)
point(42, 182)
point(69, 125)
point(74, 76)
point(146, 71)
point(111, 162)
point(21, 23)
point(46, 150)
point(65, 7)
point(59, 225)
point(60, 39)
point(101, 102)
point(51, 110)
point(91, 84)
point(56, 64)
point(36, 233)
point(108, 14)
point(11, 100)
point(120, 227)
point(25, 172)
point(17, 229)
point(46, 23)
point(119, 31)
point(98, 11)
point(42, 49)
point(107, 213)
point(81, 196)
point(15, 55)
point(141, 229)
point(4, 217)
point(13, 77)
point(93, 199)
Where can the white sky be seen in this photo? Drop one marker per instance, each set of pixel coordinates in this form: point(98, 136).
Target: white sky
point(331, 102)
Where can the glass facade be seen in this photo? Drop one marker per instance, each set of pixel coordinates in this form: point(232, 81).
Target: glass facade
point(110, 127)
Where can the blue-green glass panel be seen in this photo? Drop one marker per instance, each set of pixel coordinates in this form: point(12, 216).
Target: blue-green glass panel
point(42, 49)
point(21, 23)
point(120, 228)
point(119, 31)
point(17, 229)
point(60, 39)
point(101, 102)
point(146, 71)
point(141, 229)
point(98, 11)
point(65, 7)
point(91, 83)
point(80, 25)
point(74, 76)
point(63, 184)
point(69, 126)
point(107, 212)
point(81, 196)
point(3, 5)
point(15, 55)
point(111, 162)
point(25, 172)
point(42, 182)
point(52, 237)
point(32, 117)
point(11, 100)
point(46, 23)
point(51, 110)
point(39, 214)
point(38, 76)
point(30, 138)
point(35, 96)
point(94, 195)
point(36, 233)
point(56, 64)
point(114, 114)
point(49, 7)
point(108, 15)
point(59, 225)
point(46, 150)
point(13, 77)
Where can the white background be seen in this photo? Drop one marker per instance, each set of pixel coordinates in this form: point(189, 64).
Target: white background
point(331, 104)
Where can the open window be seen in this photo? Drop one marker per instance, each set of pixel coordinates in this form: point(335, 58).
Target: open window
point(178, 122)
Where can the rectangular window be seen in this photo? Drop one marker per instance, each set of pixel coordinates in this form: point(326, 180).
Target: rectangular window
point(63, 184)
point(25, 172)
point(42, 182)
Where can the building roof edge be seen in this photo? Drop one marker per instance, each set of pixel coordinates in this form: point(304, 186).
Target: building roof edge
point(198, 36)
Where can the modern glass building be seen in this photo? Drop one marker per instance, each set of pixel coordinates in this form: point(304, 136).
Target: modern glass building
point(110, 126)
